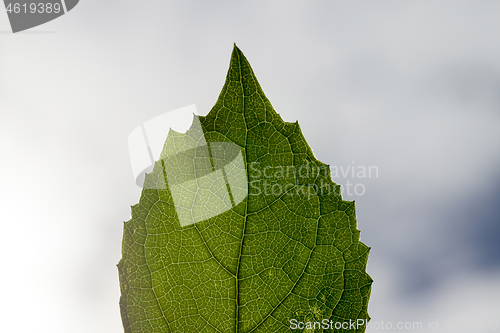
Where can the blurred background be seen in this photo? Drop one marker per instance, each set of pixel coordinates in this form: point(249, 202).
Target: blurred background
point(409, 87)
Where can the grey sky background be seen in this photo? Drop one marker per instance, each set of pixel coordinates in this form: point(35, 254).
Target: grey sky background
point(411, 87)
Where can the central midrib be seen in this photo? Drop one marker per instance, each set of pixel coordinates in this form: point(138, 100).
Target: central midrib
point(236, 285)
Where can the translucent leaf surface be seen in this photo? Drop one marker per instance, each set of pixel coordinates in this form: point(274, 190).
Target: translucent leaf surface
point(240, 228)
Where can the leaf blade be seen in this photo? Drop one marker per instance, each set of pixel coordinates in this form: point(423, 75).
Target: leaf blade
point(273, 257)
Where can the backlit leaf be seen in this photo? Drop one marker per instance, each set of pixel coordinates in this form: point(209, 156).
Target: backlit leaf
point(240, 228)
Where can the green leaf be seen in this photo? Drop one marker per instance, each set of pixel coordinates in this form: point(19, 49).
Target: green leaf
point(240, 228)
